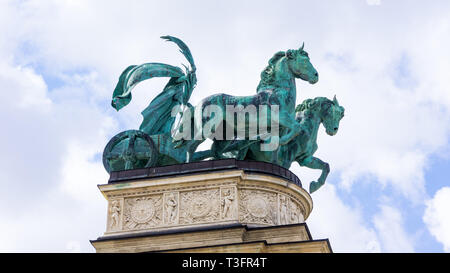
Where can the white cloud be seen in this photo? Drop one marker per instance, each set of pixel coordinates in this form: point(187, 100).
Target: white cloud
point(60, 224)
point(81, 174)
point(73, 246)
point(48, 169)
point(391, 231)
point(342, 224)
point(437, 217)
point(373, 2)
point(23, 88)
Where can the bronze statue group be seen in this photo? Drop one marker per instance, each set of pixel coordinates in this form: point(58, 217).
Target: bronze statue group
point(266, 126)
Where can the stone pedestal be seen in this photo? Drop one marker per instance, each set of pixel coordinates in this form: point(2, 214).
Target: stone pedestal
point(210, 206)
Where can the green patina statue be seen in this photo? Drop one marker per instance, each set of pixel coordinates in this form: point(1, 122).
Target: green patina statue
point(172, 129)
point(310, 114)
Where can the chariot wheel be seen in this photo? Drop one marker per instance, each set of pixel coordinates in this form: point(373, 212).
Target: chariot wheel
point(131, 149)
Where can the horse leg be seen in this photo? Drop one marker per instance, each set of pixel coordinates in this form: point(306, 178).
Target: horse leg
point(192, 144)
point(199, 156)
point(288, 122)
point(315, 163)
point(192, 155)
point(242, 153)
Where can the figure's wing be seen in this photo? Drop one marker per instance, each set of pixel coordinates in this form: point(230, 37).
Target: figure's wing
point(133, 75)
point(191, 78)
point(184, 49)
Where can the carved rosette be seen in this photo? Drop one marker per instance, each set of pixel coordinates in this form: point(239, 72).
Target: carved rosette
point(143, 212)
point(258, 207)
point(199, 206)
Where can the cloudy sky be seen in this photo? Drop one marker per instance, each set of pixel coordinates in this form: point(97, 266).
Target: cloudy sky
point(387, 61)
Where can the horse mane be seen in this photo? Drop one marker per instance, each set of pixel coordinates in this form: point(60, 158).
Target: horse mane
point(268, 74)
point(312, 104)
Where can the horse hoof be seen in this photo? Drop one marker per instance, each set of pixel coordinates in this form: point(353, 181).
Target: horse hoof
point(313, 186)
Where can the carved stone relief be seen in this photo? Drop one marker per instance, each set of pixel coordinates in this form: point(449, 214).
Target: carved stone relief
point(284, 212)
point(143, 212)
point(115, 210)
point(290, 211)
point(228, 202)
point(258, 206)
point(296, 213)
point(199, 206)
point(171, 208)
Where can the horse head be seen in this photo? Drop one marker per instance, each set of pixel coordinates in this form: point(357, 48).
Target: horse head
point(300, 65)
point(327, 111)
point(283, 65)
point(331, 115)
